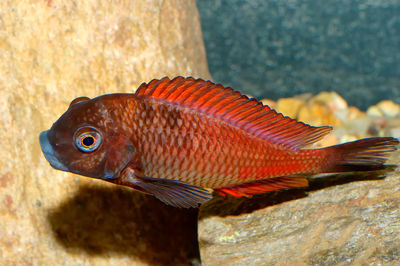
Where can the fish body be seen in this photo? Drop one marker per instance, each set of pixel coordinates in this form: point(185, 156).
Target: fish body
point(178, 138)
point(173, 142)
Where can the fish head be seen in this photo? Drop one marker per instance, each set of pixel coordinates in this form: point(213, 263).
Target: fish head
point(85, 140)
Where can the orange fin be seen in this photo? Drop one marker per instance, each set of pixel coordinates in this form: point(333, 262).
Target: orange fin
point(361, 155)
point(233, 107)
point(262, 186)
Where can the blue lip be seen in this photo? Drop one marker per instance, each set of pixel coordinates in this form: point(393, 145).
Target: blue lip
point(48, 152)
point(108, 176)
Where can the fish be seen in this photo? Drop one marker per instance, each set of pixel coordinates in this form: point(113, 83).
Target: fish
point(181, 139)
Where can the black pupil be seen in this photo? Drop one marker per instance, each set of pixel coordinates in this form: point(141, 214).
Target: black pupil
point(88, 141)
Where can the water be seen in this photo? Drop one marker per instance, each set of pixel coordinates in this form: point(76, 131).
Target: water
point(272, 49)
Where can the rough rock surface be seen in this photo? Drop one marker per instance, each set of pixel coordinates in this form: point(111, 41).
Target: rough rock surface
point(334, 222)
point(50, 53)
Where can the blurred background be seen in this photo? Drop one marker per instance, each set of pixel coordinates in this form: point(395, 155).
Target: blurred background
point(273, 49)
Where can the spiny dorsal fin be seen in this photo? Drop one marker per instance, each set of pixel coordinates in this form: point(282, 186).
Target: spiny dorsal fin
point(233, 107)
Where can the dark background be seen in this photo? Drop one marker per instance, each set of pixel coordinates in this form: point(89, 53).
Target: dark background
point(272, 49)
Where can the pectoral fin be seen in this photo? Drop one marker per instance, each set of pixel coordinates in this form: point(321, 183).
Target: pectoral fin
point(171, 192)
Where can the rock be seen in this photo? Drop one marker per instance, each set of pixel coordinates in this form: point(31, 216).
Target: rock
point(289, 106)
point(339, 132)
point(389, 108)
point(374, 111)
point(393, 128)
point(377, 126)
point(354, 113)
point(359, 127)
point(326, 108)
point(305, 97)
point(385, 108)
point(334, 102)
point(335, 221)
point(394, 132)
point(270, 103)
point(347, 138)
point(317, 114)
point(329, 140)
point(52, 52)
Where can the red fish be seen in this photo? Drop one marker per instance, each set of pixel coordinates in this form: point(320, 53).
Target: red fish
point(179, 139)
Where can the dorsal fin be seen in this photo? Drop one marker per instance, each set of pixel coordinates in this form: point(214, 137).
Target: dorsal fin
point(233, 107)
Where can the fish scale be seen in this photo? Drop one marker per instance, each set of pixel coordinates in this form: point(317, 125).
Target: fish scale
point(215, 145)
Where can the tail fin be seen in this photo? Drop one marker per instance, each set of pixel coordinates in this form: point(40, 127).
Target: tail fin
point(361, 155)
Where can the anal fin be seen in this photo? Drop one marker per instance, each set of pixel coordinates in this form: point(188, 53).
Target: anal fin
point(264, 185)
point(171, 192)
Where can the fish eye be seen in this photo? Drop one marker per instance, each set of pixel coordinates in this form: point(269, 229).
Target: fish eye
point(87, 139)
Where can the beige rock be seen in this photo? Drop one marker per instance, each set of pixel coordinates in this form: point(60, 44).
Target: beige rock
point(378, 125)
point(317, 114)
point(50, 53)
point(359, 127)
point(348, 138)
point(339, 132)
point(269, 102)
point(354, 113)
point(374, 111)
point(289, 106)
point(389, 108)
point(394, 132)
point(331, 223)
point(333, 100)
point(393, 128)
point(305, 97)
point(386, 108)
point(329, 140)
point(326, 108)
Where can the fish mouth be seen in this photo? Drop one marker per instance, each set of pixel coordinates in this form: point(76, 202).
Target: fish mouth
point(49, 153)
